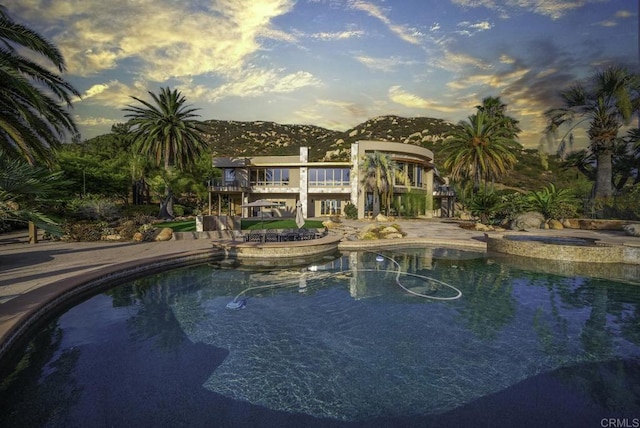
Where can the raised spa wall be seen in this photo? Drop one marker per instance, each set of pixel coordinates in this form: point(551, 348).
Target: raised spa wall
point(598, 253)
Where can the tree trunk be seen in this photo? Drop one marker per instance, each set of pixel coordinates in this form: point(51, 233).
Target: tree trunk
point(376, 204)
point(604, 175)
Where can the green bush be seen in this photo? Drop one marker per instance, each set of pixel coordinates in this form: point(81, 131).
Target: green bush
point(411, 204)
point(350, 211)
point(145, 210)
point(486, 204)
point(179, 210)
point(93, 207)
point(625, 206)
point(512, 204)
point(553, 203)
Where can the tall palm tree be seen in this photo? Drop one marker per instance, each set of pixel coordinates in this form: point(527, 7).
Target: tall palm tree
point(496, 109)
point(379, 172)
point(482, 148)
point(33, 120)
point(166, 131)
point(606, 101)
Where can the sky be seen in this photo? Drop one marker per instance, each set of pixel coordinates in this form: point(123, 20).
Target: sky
point(332, 63)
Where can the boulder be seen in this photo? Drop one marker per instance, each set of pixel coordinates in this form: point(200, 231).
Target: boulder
point(330, 224)
point(396, 235)
point(465, 216)
point(138, 237)
point(112, 237)
point(381, 217)
point(389, 230)
point(555, 224)
point(166, 233)
point(528, 221)
point(632, 229)
point(482, 227)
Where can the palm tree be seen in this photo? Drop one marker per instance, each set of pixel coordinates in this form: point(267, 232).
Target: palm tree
point(496, 109)
point(167, 132)
point(482, 148)
point(379, 172)
point(607, 101)
point(23, 190)
point(32, 118)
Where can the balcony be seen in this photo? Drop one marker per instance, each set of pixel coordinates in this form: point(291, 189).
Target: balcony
point(228, 186)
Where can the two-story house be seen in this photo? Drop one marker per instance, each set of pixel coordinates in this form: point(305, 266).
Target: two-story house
point(323, 188)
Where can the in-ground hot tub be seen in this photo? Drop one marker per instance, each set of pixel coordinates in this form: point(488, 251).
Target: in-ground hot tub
point(563, 248)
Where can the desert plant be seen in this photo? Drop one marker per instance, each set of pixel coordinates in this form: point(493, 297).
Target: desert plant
point(553, 203)
point(486, 204)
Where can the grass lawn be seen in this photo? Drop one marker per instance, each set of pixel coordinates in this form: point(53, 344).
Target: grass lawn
point(180, 226)
point(287, 223)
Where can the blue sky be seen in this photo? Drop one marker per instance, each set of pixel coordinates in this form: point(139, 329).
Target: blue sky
point(332, 63)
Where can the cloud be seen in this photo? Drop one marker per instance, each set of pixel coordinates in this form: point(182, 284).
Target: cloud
point(624, 14)
point(460, 61)
point(408, 35)
point(555, 9)
point(256, 82)
point(93, 121)
point(383, 64)
point(407, 99)
point(470, 29)
point(112, 94)
point(341, 35)
point(163, 38)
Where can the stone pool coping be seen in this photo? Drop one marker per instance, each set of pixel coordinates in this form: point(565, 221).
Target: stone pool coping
point(599, 251)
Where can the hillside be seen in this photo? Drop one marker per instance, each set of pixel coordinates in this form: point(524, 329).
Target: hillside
point(232, 138)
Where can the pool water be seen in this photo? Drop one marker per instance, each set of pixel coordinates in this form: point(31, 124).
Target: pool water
point(356, 341)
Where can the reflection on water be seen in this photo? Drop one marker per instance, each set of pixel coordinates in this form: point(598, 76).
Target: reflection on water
point(339, 341)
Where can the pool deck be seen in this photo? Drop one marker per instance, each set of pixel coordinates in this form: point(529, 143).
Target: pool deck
point(32, 274)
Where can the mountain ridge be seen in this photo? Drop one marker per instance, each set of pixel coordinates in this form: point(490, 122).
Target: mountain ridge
point(264, 138)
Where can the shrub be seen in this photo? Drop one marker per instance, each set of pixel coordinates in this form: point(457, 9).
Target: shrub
point(486, 204)
point(350, 211)
point(93, 208)
point(136, 210)
point(84, 230)
point(625, 206)
point(178, 210)
point(512, 205)
point(553, 203)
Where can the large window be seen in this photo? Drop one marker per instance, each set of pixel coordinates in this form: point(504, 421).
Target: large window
point(331, 207)
point(270, 177)
point(413, 172)
point(333, 177)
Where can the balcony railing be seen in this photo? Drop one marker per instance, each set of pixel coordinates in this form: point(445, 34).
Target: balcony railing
point(221, 185)
point(443, 191)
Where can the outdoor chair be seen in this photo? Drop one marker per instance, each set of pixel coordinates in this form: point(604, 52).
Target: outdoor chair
point(271, 237)
point(255, 236)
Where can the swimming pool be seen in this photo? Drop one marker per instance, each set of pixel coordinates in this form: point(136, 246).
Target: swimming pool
point(417, 337)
